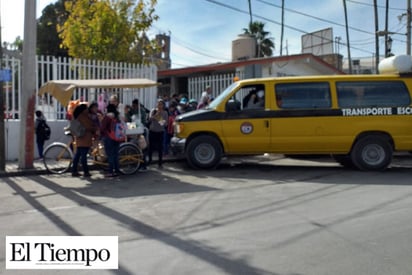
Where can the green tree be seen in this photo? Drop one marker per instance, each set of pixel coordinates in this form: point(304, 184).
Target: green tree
point(109, 30)
point(17, 45)
point(265, 44)
point(48, 40)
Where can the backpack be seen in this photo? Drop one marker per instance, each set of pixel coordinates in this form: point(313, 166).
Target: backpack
point(76, 128)
point(43, 130)
point(117, 130)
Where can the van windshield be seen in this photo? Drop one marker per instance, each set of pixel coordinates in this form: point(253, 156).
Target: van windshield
point(222, 96)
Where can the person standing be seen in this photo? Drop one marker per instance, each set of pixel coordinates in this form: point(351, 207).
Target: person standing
point(138, 114)
point(102, 100)
point(40, 135)
point(96, 116)
point(83, 143)
point(119, 106)
point(114, 100)
point(207, 93)
point(137, 110)
point(204, 102)
point(172, 114)
point(111, 146)
point(158, 120)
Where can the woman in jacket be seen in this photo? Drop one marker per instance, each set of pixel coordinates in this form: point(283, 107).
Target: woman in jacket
point(111, 146)
point(158, 122)
point(83, 143)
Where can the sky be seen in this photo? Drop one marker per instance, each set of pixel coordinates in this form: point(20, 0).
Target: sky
point(202, 31)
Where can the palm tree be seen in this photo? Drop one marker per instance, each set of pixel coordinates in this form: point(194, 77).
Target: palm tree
point(264, 45)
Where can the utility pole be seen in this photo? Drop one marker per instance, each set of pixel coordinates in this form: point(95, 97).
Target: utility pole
point(2, 135)
point(386, 28)
point(408, 28)
point(337, 44)
point(347, 36)
point(250, 13)
point(28, 96)
point(375, 6)
point(283, 26)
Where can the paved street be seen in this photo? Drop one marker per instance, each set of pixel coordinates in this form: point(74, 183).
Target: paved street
point(259, 216)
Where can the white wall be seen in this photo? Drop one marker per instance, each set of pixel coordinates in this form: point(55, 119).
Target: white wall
point(12, 137)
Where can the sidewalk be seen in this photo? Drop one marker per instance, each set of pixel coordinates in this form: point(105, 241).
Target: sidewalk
point(12, 167)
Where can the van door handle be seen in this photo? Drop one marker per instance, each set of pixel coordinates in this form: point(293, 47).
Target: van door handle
point(267, 123)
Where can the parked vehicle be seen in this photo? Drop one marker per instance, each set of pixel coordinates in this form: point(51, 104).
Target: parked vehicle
point(359, 119)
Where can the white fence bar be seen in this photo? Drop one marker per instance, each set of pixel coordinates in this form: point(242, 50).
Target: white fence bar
point(219, 82)
point(52, 68)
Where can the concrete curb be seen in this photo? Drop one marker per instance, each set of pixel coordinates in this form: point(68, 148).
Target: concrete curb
point(23, 172)
point(12, 169)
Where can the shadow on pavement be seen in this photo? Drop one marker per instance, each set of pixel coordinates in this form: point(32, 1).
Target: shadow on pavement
point(213, 256)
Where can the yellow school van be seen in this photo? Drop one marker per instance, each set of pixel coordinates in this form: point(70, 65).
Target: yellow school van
point(361, 120)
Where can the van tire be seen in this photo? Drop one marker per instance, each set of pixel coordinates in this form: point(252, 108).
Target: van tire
point(204, 152)
point(372, 153)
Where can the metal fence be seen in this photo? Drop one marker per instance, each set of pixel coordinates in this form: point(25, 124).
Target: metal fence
point(52, 68)
point(218, 83)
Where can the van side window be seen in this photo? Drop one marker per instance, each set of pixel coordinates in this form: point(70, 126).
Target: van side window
point(303, 95)
point(372, 94)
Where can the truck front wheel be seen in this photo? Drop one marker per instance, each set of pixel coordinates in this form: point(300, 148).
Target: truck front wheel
point(204, 152)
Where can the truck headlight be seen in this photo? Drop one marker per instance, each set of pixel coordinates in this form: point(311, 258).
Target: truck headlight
point(178, 128)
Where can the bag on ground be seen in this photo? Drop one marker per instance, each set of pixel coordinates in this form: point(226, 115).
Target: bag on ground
point(118, 130)
point(76, 128)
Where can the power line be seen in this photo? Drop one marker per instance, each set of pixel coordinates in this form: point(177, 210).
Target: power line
point(191, 48)
point(341, 25)
point(370, 41)
point(181, 42)
point(315, 17)
point(370, 5)
point(202, 52)
point(333, 22)
point(197, 51)
point(277, 23)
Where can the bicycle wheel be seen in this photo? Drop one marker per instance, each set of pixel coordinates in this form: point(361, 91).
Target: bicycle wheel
point(130, 158)
point(57, 158)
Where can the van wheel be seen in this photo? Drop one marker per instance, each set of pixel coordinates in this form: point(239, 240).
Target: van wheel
point(372, 153)
point(204, 152)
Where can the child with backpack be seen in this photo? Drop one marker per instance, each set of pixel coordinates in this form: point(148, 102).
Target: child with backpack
point(42, 132)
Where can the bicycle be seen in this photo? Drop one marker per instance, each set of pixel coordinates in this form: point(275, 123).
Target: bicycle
point(58, 156)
